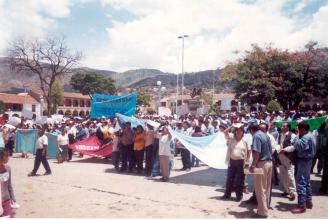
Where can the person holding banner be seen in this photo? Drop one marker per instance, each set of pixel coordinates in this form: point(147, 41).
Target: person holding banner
point(139, 148)
point(165, 154)
point(149, 148)
point(41, 154)
point(127, 147)
point(62, 141)
point(237, 157)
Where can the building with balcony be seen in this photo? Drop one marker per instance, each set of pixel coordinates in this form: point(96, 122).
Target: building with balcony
point(75, 104)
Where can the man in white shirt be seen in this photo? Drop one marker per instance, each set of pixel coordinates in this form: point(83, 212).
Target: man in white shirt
point(41, 154)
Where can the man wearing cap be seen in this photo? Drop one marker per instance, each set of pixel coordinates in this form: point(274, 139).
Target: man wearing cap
point(304, 144)
point(262, 158)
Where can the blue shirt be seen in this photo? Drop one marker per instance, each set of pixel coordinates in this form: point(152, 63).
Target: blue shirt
point(305, 146)
point(262, 144)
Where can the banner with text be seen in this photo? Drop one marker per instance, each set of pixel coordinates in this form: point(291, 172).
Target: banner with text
point(109, 105)
point(92, 146)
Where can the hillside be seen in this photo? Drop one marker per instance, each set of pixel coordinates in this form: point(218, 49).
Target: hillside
point(12, 81)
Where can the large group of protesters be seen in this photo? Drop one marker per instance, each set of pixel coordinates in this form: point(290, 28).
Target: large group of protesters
point(254, 144)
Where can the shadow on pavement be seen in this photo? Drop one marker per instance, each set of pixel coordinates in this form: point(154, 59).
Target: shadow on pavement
point(207, 177)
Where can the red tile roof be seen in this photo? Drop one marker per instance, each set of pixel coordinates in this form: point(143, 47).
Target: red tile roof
point(76, 95)
point(17, 99)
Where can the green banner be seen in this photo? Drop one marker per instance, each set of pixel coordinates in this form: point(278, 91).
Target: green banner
point(314, 123)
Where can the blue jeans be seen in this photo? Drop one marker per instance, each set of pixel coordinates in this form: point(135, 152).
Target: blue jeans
point(156, 168)
point(194, 161)
point(304, 190)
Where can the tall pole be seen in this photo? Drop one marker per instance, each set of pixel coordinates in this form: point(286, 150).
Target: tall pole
point(182, 67)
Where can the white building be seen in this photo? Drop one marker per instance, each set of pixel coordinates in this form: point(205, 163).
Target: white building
point(19, 103)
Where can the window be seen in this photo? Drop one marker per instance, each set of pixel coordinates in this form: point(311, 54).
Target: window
point(88, 104)
point(82, 103)
point(75, 103)
point(33, 108)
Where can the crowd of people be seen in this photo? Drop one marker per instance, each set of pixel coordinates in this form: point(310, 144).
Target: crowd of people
point(254, 143)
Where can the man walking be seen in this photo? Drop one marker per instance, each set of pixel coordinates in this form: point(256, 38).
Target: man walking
point(262, 158)
point(305, 147)
point(285, 139)
point(41, 154)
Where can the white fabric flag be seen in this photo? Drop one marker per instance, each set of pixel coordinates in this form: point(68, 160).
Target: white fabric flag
point(211, 150)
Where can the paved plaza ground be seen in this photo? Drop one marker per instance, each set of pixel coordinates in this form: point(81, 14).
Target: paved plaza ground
point(90, 188)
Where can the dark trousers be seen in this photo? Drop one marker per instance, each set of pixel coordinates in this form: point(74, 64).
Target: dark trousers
point(235, 178)
point(324, 180)
point(41, 158)
point(185, 157)
point(149, 159)
point(139, 156)
point(10, 147)
point(116, 159)
point(127, 157)
point(320, 162)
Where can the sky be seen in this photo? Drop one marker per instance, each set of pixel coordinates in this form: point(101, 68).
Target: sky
point(120, 35)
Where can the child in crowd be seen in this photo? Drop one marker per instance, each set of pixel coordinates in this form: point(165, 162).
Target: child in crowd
point(7, 192)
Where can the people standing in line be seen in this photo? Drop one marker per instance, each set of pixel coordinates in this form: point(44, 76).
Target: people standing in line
point(304, 144)
point(287, 160)
point(165, 154)
point(116, 150)
point(41, 154)
point(72, 131)
point(127, 148)
point(237, 157)
point(262, 158)
point(149, 148)
point(139, 147)
point(62, 140)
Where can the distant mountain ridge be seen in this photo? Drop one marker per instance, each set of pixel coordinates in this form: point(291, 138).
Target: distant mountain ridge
point(12, 81)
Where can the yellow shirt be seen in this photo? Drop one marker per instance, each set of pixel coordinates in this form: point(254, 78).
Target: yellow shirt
point(139, 141)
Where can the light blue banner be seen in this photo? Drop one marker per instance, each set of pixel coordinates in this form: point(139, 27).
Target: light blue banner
point(26, 140)
point(211, 150)
point(133, 120)
point(109, 105)
point(52, 145)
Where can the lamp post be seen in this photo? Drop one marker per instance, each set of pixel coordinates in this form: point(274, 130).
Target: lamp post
point(159, 89)
point(182, 70)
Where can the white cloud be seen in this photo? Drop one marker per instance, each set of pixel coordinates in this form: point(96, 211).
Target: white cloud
point(29, 19)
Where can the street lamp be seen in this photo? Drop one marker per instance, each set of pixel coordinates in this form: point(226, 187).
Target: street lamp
point(182, 71)
point(159, 91)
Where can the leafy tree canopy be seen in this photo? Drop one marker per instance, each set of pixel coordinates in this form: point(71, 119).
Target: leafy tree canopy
point(89, 83)
point(265, 74)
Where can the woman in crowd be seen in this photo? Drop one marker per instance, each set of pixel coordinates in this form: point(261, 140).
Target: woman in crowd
point(165, 154)
point(62, 141)
point(139, 147)
point(237, 158)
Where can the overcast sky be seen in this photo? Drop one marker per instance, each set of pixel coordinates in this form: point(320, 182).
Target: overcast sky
point(120, 35)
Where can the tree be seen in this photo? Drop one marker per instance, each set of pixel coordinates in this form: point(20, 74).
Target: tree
point(273, 106)
point(2, 107)
point(143, 99)
point(89, 83)
point(50, 59)
point(265, 74)
point(58, 95)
